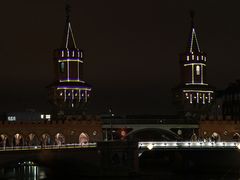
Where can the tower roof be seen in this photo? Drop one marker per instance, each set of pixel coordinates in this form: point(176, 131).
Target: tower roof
point(68, 39)
point(193, 45)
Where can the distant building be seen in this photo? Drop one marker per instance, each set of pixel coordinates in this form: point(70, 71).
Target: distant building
point(227, 105)
point(193, 96)
point(69, 93)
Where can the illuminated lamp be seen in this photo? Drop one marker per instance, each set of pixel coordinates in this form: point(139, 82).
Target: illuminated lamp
point(150, 146)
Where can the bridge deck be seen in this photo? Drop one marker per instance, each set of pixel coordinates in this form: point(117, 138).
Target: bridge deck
point(64, 146)
point(188, 145)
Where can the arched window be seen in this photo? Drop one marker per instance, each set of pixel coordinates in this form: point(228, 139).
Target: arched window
point(198, 70)
point(62, 68)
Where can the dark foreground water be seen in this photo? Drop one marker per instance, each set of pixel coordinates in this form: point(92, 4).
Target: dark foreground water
point(153, 165)
point(26, 171)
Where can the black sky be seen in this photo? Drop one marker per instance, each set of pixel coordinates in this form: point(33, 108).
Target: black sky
point(131, 49)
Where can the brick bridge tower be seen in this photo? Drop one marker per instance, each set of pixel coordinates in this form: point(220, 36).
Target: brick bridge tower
point(193, 96)
point(69, 93)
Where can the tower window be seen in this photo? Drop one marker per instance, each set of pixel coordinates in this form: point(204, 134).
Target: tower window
point(187, 58)
point(197, 57)
point(198, 70)
point(192, 57)
point(62, 67)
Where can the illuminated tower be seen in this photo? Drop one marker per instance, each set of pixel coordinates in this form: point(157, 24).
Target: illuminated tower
point(69, 93)
point(193, 95)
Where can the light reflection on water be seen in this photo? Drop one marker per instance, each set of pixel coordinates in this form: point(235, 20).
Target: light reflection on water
point(24, 171)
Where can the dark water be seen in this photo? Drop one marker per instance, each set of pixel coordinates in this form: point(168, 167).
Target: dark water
point(24, 171)
point(153, 165)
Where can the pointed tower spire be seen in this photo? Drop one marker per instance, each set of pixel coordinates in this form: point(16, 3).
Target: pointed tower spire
point(193, 45)
point(68, 40)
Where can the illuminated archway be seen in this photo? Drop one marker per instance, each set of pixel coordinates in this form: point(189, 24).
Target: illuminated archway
point(18, 140)
point(194, 137)
point(236, 136)
point(83, 138)
point(59, 139)
point(32, 139)
point(4, 141)
point(45, 139)
point(215, 137)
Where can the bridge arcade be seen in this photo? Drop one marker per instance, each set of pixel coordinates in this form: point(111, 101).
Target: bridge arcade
point(80, 130)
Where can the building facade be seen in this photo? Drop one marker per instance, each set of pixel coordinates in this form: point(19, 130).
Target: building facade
point(227, 104)
point(193, 96)
point(69, 93)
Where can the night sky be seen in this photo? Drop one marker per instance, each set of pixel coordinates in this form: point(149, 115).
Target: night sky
point(131, 49)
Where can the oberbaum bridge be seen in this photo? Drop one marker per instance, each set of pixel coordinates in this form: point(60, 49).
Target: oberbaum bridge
point(102, 140)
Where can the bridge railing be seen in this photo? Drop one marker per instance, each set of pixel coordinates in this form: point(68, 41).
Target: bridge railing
point(63, 146)
point(187, 144)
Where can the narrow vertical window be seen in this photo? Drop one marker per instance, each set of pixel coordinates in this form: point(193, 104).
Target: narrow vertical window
point(62, 67)
point(187, 58)
point(192, 57)
point(198, 70)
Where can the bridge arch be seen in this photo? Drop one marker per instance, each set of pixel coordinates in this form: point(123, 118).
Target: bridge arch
point(4, 140)
point(59, 139)
point(18, 139)
point(45, 139)
point(32, 139)
point(236, 136)
point(215, 136)
point(152, 134)
point(83, 138)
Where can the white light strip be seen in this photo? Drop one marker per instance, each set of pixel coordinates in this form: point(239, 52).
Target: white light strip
point(65, 94)
point(203, 98)
point(72, 35)
point(200, 91)
point(187, 144)
point(67, 69)
point(71, 60)
point(190, 64)
point(66, 45)
point(196, 84)
point(201, 74)
point(192, 74)
point(78, 70)
point(75, 88)
point(194, 35)
point(86, 96)
point(72, 80)
point(197, 97)
point(72, 94)
point(191, 98)
point(79, 95)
